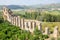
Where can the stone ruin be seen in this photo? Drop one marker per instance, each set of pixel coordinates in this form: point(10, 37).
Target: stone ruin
point(24, 24)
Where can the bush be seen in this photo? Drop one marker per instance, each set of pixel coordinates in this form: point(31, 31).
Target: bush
point(45, 36)
point(1, 20)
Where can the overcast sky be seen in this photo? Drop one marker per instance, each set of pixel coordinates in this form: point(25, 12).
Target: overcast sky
point(27, 2)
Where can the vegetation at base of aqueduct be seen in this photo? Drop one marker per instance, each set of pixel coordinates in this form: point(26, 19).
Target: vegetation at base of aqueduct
point(10, 32)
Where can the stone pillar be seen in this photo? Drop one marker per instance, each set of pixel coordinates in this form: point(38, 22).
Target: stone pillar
point(9, 18)
point(19, 21)
point(55, 33)
point(40, 27)
point(26, 26)
point(30, 26)
point(5, 13)
point(33, 25)
point(22, 24)
point(46, 30)
point(16, 21)
point(12, 20)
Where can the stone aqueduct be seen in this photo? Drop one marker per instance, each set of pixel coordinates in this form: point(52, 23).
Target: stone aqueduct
point(25, 24)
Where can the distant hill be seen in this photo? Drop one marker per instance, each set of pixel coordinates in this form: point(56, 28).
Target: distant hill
point(32, 6)
point(46, 6)
point(14, 7)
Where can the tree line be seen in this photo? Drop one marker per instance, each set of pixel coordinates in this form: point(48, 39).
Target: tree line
point(45, 17)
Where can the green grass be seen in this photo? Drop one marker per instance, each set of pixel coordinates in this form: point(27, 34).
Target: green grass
point(51, 25)
point(54, 12)
point(19, 12)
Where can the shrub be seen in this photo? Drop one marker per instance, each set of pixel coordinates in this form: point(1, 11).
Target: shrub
point(45, 36)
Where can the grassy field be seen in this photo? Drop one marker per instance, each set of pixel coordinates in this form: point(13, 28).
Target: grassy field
point(19, 12)
point(51, 25)
point(54, 12)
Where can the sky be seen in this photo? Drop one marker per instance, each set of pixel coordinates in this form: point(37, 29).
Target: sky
point(27, 2)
